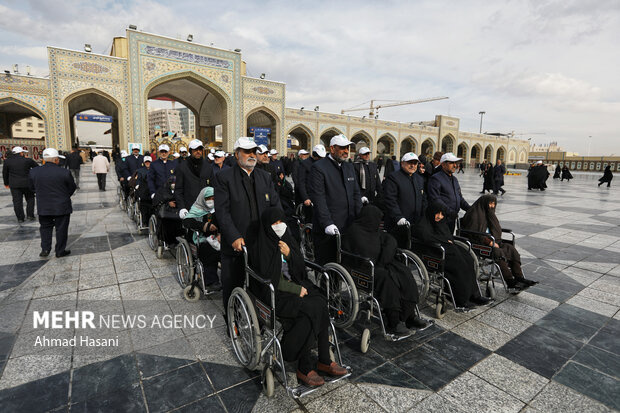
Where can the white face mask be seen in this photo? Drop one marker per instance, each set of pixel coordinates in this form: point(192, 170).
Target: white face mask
point(210, 204)
point(279, 229)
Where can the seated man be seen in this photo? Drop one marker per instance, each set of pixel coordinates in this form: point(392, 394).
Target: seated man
point(481, 218)
point(201, 218)
point(394, 285)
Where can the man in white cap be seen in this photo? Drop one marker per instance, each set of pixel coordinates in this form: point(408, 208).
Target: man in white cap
point(15, 175)
point(120, 167)
point(183, 152)
point(242, 193)
point(101, 167)
point(193, 174)
point(134, 161)
point(302, 185)
point(275, 162)
point(302, 155)
point(444, 188)
point(263, 161)
point(142, 188)
point(54, 186)
point(74, 162)
point(403, 192)
point(368, 178)
point(160, 170)
point(336, 197)
point(218, 162)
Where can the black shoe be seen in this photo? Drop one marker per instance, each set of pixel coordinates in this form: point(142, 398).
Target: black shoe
point(399, 329)
point(31, 218)
point(20, 221)
point(216, 286)
point(482, 300)
point(63, 253)
point(503, 192)
point(527, 282)
point(44, 253)
point(418, 323)
point(482, 192)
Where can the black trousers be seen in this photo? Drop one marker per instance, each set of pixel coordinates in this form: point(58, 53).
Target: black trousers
point(101, 181)
point(47, 224)
point(18, 202)
point(233, 273)
point(324, 247)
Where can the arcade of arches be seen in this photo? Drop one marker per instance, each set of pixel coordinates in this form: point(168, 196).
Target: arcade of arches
point(213, 84)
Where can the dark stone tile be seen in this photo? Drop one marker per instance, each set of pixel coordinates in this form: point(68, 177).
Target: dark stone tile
point(550, 292)
point(223, 376)
point(37, 396)
point(391, 375)
point(582, 316)
point(150, 365)
point(458, 350)
point(118, 240)
point(563, 325)
point(243, 397)
point(607, 337)
point(426, 366)
point(540, 350)
point(176, 388)
point(208, 404)
point(360, 363)
point(6, 345)
point(591, 383)
point(124, 399)
point(104, 377)
point(604, 361)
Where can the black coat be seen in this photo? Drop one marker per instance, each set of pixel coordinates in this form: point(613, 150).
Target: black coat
point(133, 164)
point(232, 204)
point(498, 174)
point(403, 197)
point(74, 160)
point(188, 184)
point(302, 182)
point(373, 189)
point(15, 171)
point(54, 186)
point(159, 172)
point(120, 167)
point(446, 191)
point(334, 193)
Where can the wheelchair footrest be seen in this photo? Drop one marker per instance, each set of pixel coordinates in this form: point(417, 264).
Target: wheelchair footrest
point(396, 337)
point(462, 309)
point(304, 390)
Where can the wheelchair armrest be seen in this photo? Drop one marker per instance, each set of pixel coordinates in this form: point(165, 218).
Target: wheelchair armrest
point(264, 281)
point(313, 265)
point(355, 256)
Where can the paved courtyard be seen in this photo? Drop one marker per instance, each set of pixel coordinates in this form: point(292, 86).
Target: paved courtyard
point(554, 348)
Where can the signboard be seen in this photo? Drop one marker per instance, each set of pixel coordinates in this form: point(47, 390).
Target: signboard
point(288, 143)
point(131, 145)
point(94, 118)
point(261, 135)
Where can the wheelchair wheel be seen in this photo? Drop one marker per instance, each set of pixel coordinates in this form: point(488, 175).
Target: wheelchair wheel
point(153, 237)
point(185, 264)
point(419, 273)
point(491, 291)
point(365, 342)
point(472, 254)
point(191, 293)
point(131, 209)
point(244, 329)
point(199, 274)
point(268, 382)
point(159, 252)
point(307, 248)
point(343, 299)
point(440, 307)
point(122, 202)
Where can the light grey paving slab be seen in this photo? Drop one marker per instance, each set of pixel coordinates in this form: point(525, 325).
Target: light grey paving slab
point(49, 362)
point(537, 301)
point(482, 334)
point(83, 355)
point(557, 398)
point(280, 402)
point(603, 296)
point(478, 395)
point(392, 398)
point(111, 292)
point(510, 377)
point(503, 322)
point(89, 280)
point(436, 403)
point(347, 398)
point(141, 290)
point(55, 289)
point(137, 275)
point(581, 275)
point(602, 267)
point(521, 310)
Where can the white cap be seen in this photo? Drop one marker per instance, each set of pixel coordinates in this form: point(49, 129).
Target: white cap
point(340, 140)
point(195, 144)
point(262, 149)
point(273, 152)
point(320, 150)
point(147, 159)
point(219, 154)
point(176, 154)
point(363, 151)
point(135, 147)
point(52, 153)
point(539, 163)
point(449, 157)
point(245, 143)
point(18, 149)
point(124, 154)
point(210, 156)
point(164, 147)
point(303, 152)
point(409, 156)
point(182, 149)
point(212, 150)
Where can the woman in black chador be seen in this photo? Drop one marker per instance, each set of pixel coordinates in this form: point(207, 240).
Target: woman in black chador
point(607, 177)
point(489, 178)
point(302, 309)
point(481, 218)
point(394, 288)
point(566, 174)
point(459, 266)
point(558, 172)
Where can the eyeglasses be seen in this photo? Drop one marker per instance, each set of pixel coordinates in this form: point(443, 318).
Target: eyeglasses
point(163, 151)
point(414, 162)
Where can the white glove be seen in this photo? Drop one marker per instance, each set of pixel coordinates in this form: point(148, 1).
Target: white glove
point(331, 230)
point(215, 244)
point(152, 196)
point(182, 213)
point(364, 200)
point(402, 221)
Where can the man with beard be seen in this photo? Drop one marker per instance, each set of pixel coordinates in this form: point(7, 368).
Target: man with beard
point(192, 175)
point(242, 193)
point(444, 189)
point(263, 162)
point(183, 153)
point(537, 177)
point(275, 162)
point(160, 170)
point(336, 197)
point(302, 156)
point(368, 178)
point(302, 187)
point(133, 161)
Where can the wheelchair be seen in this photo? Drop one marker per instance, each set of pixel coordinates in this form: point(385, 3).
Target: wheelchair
point(488, 268)
point(362, 272)
point(140, 217)
point(156, 243)
point(131, 203)
point(255, 334)
point(121, 192)
point(433, 256)
point(305, 233)
point(190, 270)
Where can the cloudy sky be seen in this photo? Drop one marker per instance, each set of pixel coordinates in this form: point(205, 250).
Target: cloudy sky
point(543, 68)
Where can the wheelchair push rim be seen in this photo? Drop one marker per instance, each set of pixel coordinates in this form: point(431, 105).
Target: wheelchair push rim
point(343, 297)
point(153, 238)
point(244, 329)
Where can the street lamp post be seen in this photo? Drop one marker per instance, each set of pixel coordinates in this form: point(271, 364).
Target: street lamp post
point(589, 142)
point(481, 113)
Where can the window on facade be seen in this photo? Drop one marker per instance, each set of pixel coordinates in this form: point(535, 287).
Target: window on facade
point(18, 130)
point(18, 124)
point(29, 124)
point(611, 166)
point(598, 166)
point(578, 165)
point(40, 125)
point(572, 165)
point(592, 166)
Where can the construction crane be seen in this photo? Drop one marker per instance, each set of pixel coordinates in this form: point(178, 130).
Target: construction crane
point(513, 133)
point(374, 108)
